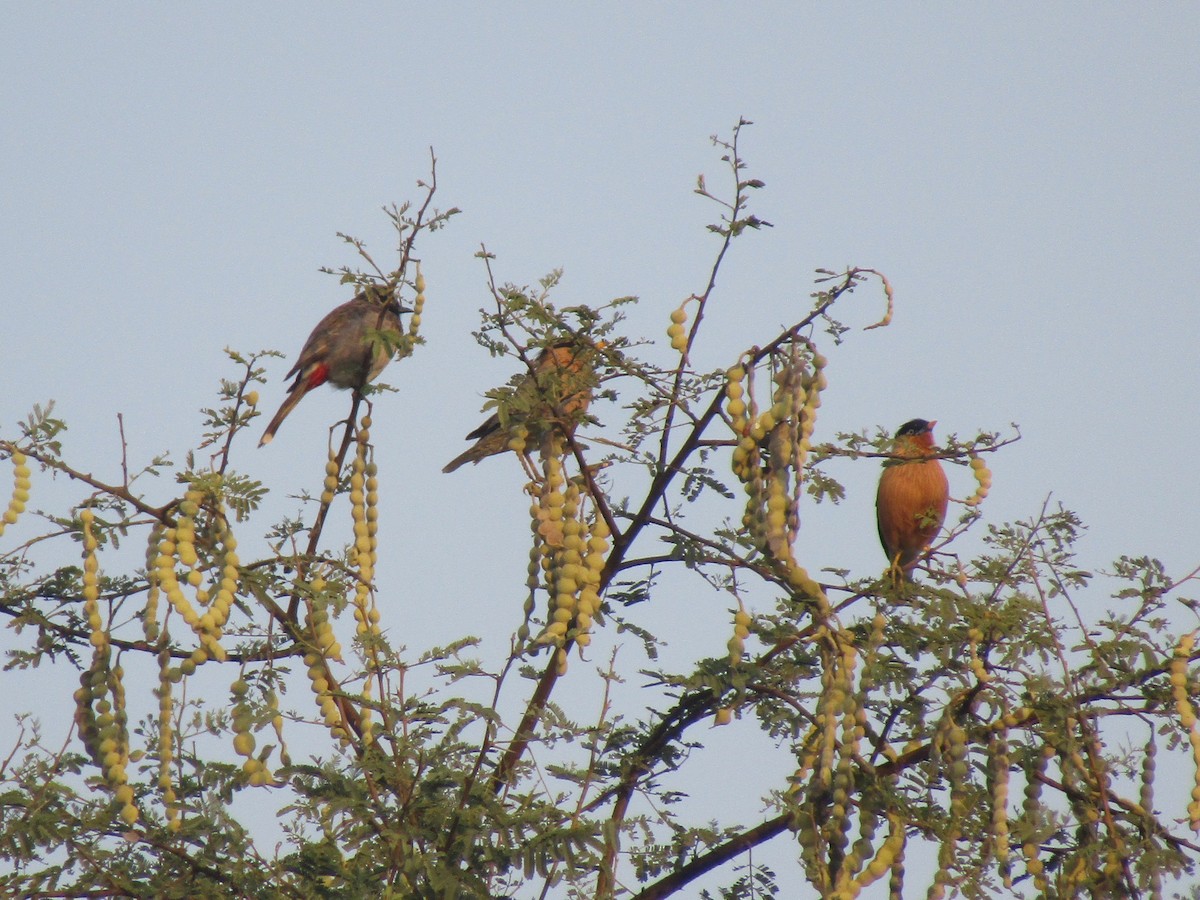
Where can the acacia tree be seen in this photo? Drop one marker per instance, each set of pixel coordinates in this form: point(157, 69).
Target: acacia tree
point(956, 716)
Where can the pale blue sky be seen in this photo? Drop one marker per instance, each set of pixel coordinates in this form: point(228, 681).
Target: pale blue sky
point(1025, 173)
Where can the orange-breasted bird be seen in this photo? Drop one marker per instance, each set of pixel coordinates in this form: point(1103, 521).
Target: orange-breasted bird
point(912, 497)
point(556, 393)
point(347, 349)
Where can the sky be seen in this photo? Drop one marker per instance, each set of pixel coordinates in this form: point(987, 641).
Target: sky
point(1025, 174)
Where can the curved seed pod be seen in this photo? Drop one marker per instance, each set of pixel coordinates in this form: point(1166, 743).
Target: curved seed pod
point(983, 481)
point(1034, 815)
point(329, 486)
point(277, 725)
point(974, 637)
point(1187, 716)
point(884, 860)
point(414, 321)
point(242, 720)
point(20, 491)
point(741, 631)
point(318, 680)
point(1146, 795)
point(676, 332)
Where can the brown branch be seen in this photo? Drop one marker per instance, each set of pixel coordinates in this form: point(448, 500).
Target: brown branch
point(120, 492)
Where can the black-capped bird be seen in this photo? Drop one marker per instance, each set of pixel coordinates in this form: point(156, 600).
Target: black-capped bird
point(912, 497)
point(555, 394)
point(347, 349)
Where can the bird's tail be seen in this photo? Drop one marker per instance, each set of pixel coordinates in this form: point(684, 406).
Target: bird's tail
point(469, 455)
point(289, 404)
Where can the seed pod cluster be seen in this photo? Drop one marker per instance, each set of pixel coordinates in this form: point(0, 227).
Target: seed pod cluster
point(176, 545)
point(772, 451)
point(569, 552)
point(103, 724)
point(100, 713)
point(950, 746)
point(676, 332)
point(551, 534)
point(20, 491)
point(825, 804)
point(983, 481)
point(850, 875)
point(1187, 716)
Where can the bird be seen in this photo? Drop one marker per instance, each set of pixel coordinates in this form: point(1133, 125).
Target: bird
point(348, 349)
point(913, 494)
point(556, 392)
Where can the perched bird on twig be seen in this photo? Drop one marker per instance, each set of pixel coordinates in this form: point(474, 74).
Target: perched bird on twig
point(347, 349)
point(555, 394)
point(912, 497)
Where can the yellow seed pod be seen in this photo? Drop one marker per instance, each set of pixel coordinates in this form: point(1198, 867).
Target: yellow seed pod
point(998, 751)
point(1179, 686)
point(678, 336)
point(20, 491)
point(1187, 716)
point(737, 648)
point(983, 479)
point(166, 738)
point(676, 331)
point(91, 581)
point(243, 743)
point(798, 578)
point(414, 320)
point(518, 439)
point(363, 555)
point(1033, 789)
